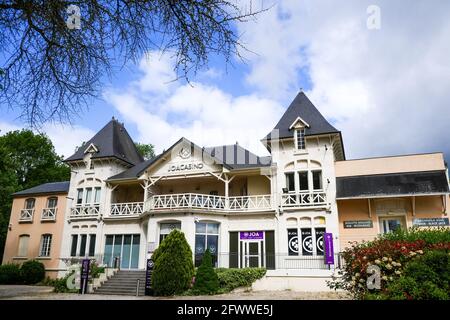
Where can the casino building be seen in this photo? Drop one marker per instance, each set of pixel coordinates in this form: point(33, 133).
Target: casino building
point(279, 211)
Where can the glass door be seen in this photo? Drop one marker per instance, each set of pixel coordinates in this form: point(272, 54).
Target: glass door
point(252, 256)
point(390, 224)
point(122, 250)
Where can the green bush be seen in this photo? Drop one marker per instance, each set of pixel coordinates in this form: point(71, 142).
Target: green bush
point(230, 279)
point(206, 280)
point(95, 271)
point(425, 278)
point(32, 272)
point(10, 274)
point(429, 235)
point(60, 285)
point(173, 267)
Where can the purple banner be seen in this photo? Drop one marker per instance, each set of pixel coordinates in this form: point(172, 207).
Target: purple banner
point(328, 246)
point(251, 235)
point(85, 266)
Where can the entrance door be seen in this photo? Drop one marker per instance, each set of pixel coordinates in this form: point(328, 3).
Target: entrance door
point(122, 250)
point(390, 224)
point(252, 255)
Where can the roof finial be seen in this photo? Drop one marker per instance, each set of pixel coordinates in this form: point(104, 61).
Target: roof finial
point(113, 118)
point(301, 90)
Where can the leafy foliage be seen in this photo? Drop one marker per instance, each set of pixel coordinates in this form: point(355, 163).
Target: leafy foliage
point(232, 278)
point(391, 253)
point(147, 151)
point(173, 270)
point(26, 160)
point(32, 272)
point(424, 278)
point(95, 270)
point(10, 274)
point(52, 67)
point(206, 280)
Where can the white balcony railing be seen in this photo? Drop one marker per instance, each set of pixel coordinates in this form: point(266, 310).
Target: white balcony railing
point(48, 214)
point(304, 199)
point(209, 202)
point(126, 209)
point(26, 215)
point(87, 211)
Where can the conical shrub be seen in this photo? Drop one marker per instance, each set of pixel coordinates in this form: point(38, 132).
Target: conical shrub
point(173, 266)
point(206, 281)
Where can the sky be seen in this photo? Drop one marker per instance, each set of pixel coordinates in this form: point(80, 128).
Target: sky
point(379, 71)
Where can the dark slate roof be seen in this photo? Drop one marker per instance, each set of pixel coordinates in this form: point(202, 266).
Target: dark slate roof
point(411, 183)
point(51, 187)
point(112, 141)
point(242, 159)
point(134, 172)
point(302, 107)
point(237, 157)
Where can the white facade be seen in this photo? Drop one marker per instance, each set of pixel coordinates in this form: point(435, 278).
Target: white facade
point(186, 187)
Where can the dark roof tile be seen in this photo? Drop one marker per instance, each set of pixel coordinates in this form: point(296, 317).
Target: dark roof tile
point(51, 187)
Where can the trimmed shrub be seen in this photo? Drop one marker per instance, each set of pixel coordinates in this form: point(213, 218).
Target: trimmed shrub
point(206, 280)
point(230, 279)
point(32, 272)
point(173, 269)
point(10, 274)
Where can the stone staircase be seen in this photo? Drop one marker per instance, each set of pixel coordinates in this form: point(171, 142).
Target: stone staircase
point(123, 282)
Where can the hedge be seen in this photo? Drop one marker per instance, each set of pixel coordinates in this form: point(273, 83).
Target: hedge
point(232, 278)
point(10, 274)
point(32, 272)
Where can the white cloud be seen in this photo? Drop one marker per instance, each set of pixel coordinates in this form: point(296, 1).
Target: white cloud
point(200, 112)
point(387, 90)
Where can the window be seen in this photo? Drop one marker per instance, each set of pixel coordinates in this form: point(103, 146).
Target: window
point(46, 243)
point(88, 196)
point(92, 238)
point(166, 228)
point(300, 139)
point(122, 250)
point(29, 203)
point(290, 183)
point(307, 240)
point(206, 237)
point(52, 202)
point(23, 245)
point(73, 248)
point(317, 179)
point(303, 180)
point(79, 196)
point(97, 192)
point(83, 245)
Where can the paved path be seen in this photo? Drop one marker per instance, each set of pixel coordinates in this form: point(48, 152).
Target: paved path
point(45, 293)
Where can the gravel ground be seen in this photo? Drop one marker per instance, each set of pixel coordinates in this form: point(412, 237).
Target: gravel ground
point(45, 293)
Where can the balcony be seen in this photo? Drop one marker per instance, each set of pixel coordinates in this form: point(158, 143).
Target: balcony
point(304, 200)
point(48, 214)
point(126, 209)
point(85, 212)
point(209, 203)
point(26, 215)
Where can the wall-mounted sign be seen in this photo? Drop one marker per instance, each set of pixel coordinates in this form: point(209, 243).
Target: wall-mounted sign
point(148, 278)
point(329, 249)
point(185, 167)
point(431, 222)
point(184, 153)
point(251, 235)
point(293, 242)
point(356, 224)
point(85, 266)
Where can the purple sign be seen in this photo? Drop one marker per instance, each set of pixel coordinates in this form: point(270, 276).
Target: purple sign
point(85, 265)
point(328, 246)
point(251, 235)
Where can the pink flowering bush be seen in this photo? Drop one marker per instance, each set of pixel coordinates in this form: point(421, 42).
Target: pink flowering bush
point(390, 253)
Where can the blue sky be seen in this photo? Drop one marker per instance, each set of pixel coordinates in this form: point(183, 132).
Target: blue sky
point(386, 89)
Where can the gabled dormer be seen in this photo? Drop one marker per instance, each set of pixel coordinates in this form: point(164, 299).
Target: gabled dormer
point(302, 122)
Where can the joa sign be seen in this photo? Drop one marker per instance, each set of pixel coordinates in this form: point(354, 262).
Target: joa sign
point(328, 248)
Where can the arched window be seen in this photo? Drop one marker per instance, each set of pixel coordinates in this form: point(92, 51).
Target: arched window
point(52, 202)
point(22, 250)
point(166, 227)
point(29, 203)
point(46, 243)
